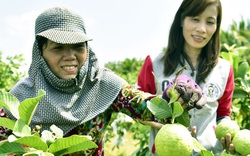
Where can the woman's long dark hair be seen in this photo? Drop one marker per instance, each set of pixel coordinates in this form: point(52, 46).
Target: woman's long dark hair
point(210, 53)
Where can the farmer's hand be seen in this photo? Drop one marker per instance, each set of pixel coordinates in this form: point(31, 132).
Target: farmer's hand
point(227, 143)
point(189, 93)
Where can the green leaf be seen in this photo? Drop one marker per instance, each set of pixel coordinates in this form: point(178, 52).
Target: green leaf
point(177, 109)
point(28, 107)
point(239, 93)
point(206, 153)
point(10, 102)
point(197, 146)
point(74, 143)
point(242, 70)
point(33, 141)
point(7, 123)
point(184, 118)
point(21, 129)
point(159, 108)
point(11, 148)
point(172, 95)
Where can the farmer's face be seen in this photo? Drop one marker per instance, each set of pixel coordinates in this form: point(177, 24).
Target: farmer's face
point(65, 60)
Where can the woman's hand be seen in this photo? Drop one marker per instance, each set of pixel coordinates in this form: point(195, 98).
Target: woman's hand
point(189, 93)
point(193, 131)
point(227, 143)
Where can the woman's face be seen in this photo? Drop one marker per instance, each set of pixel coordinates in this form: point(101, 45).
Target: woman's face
point(65, 60)
point(198, 30)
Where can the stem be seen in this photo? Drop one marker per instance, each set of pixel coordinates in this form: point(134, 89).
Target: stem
point(177, 74)
point(172, 120)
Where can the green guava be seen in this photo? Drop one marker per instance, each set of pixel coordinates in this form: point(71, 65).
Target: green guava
point(226, 126)
point(241, 142)
point(174, 140)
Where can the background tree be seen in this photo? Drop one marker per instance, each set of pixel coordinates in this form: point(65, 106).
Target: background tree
point(10, 71)
point(237, 37)
point(127, 69)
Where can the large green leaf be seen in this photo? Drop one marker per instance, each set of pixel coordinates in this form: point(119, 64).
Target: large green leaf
point(71, 144)
point(7, 123)
point(239, 93)
point(21, 129)
point(177, 109)
point(28, 107)
point(10, 102)
point(10, 148)
point(242, 70)
point(159, 108)
point(33, 141)
point(184, 118)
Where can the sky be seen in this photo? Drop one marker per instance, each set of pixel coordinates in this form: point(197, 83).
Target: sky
point(119, 28)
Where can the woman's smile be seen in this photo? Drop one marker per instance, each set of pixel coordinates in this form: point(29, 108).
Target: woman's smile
point(65, 60)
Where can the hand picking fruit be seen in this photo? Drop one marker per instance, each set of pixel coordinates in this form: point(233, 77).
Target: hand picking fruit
point(189, 93)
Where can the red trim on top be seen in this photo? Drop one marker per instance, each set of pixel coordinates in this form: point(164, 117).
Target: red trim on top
point(225, 102)
point(146, 80)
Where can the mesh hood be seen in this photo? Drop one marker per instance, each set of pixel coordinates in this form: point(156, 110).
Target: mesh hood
point(68, 103)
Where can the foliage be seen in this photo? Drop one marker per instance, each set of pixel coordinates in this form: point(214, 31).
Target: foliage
point(238, 35)
point(10, 71)
point(241, 97)
point(127, 69)
point(25, 141)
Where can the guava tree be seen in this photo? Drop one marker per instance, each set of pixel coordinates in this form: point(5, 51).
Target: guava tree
point(26, 141)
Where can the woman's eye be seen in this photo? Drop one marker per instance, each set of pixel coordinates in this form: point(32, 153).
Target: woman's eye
point(57, 47)
point(196, 19)
point(210, 22)
point(80, 45)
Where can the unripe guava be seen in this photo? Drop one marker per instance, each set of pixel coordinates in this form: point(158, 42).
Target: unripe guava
point(174, 140)
point(226, 126)
point(241, 142)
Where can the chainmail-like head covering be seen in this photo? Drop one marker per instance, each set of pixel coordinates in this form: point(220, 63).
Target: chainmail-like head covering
point(67, 103)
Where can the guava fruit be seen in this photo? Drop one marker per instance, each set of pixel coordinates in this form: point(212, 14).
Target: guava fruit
point(226, 126)
point(174, 140)
point(241, 142)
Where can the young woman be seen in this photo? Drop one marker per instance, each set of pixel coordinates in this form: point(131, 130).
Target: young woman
point(194, 40)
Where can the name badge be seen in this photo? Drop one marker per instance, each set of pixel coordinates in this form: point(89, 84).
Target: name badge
point(212, 91)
